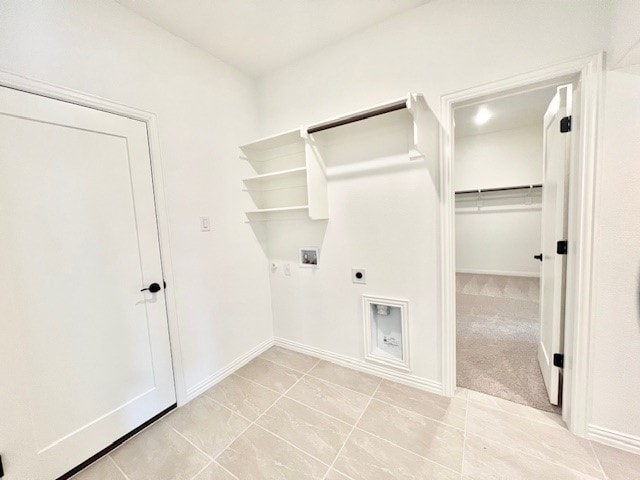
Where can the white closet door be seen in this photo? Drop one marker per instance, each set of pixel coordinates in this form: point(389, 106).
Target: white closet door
point(84, 354)
point(556, 154)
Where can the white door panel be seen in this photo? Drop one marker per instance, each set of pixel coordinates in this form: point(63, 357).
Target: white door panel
point(556, 156)
point(86, 353)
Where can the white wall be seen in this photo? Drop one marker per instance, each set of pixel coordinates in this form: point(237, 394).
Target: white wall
point(624, 44)
point(437, 48)
point(491, 239)
point(615, 367)
point(499, 159)
point(205, 110)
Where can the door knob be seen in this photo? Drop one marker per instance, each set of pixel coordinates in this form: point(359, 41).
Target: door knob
point(153, 288)
point(538, 257)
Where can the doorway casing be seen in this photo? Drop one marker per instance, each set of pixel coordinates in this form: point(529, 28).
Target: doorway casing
point(24, 84)
point(588, 72)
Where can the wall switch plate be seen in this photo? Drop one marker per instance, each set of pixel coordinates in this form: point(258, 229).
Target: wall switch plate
point(205, 224)
point(358, 275)
point(287, 269)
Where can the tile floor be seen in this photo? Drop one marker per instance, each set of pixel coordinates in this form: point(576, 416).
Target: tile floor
point(290, 416)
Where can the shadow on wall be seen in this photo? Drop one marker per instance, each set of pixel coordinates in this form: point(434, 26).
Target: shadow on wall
point(281, 238)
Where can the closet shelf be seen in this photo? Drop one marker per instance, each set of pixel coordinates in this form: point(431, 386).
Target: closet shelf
point(274, 141)
point(278, 209)
point(275, 158)
point(281, 174)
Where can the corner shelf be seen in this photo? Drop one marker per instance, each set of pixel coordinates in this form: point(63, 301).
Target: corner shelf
point(285, 179)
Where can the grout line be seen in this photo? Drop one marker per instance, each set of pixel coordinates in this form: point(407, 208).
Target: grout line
point(319, 378)
point(222, 467)
point(319, 411)
point(259, 417)
point(464, 439)
point(287, 366)
point(117, 466)
point(291, 444)
point(193, 445)
point(341, 473)
point(260, 357)
point(231, 410)
point(421, 415)
point(386, 440)
point(501, 410)
point(595, 454)
point(347, 388)
point(537, 456)
point(352, 430)
point(311, 375)
point(202, 469)
point(275, 391)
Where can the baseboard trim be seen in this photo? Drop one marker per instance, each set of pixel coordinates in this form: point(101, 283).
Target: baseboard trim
point(362, 366)
point(623, 441)
point(221, 374)
point(498, 272)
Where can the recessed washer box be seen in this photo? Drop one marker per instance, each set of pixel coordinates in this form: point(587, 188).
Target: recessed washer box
point(386, 335)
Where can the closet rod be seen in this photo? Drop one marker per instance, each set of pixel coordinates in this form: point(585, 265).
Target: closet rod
point(360, 116)
point(500, 189)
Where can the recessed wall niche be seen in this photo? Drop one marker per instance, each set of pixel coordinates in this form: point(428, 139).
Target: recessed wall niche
point(386, 332)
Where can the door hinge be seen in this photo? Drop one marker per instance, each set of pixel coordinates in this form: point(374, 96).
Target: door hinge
point(562, 247)
point(565, 124)
point(558, 360)
point(1, 468)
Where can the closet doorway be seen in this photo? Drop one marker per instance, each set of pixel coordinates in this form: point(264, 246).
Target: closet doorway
point(511, 192)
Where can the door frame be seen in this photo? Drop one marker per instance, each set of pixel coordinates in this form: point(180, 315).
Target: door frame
point(578, 317)
point(28, 85)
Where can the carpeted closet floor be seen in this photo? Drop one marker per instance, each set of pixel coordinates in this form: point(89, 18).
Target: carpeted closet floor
point(498, 325)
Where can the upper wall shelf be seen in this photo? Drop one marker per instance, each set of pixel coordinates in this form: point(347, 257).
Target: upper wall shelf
point(279, 175)
point(289, 170)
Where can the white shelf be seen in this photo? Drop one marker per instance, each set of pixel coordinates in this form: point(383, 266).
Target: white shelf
point(278, 209)
point(290, 170)
point(274, 141)
point(282, 174)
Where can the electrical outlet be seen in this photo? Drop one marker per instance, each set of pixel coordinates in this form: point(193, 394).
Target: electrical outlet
point(287, 269)
point(205, 224)
point(358, 275)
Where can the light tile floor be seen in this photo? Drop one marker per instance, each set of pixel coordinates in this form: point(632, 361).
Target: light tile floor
point(290, 416)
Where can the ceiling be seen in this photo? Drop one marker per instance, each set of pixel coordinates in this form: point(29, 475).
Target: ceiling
point(258, 36)
point(506, 113)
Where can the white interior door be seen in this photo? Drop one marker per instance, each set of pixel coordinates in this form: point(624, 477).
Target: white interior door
point(84, 354)
point(556, 154)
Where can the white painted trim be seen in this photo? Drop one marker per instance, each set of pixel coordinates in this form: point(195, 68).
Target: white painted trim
point(402, 363)
point(579, 272)
point(362, 366)
point(224, 372)
point(36, 87)
point(499, 272)
point(623, 441)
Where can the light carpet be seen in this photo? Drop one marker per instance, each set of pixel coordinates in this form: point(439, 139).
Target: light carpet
point(498, 326)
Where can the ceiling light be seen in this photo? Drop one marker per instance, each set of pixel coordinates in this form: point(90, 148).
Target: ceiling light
point(482, 116)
